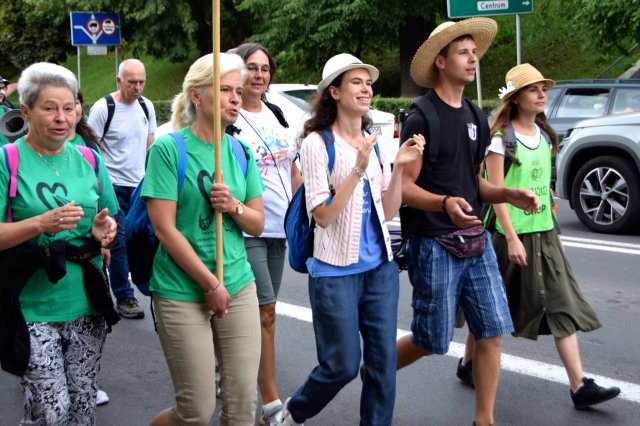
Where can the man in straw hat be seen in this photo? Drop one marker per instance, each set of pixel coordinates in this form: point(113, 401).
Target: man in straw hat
point(444, 195)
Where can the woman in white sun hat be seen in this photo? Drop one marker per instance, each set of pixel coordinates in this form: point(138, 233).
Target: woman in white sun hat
point(353, 280)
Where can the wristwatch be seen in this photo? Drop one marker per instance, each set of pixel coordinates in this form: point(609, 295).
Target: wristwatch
point(239, 208)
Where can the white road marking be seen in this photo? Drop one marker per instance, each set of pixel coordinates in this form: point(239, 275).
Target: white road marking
point(583, 243)
point(540, 370)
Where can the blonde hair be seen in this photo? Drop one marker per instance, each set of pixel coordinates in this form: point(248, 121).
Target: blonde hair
point(200, 76)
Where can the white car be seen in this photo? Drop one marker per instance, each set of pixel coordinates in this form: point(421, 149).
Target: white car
point(294, 101)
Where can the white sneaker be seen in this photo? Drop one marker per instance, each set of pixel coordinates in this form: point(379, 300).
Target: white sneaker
point(272, 417)
point(287, 419)
point(101, 397)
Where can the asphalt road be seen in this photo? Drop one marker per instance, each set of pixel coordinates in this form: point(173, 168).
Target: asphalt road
point(533, 389)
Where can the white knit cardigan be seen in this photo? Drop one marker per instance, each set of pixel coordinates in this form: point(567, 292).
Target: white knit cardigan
point(339, 243)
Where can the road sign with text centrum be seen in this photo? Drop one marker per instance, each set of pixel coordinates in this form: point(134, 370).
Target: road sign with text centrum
point(469, 8)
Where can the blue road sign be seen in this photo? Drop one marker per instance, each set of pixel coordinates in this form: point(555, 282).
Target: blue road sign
point(95, 28)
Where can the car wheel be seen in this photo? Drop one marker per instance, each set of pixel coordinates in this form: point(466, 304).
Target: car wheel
point(606, 194)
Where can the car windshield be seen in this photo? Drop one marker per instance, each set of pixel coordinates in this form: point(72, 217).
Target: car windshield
point(300, 98)
point(552, 94)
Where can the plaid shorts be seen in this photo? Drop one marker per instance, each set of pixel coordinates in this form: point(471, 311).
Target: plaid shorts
point(442, 282)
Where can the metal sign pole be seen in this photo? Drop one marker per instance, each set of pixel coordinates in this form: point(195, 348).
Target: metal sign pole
point(79, 83)
point(518, 44)
point(479, 85)
point(116, 65)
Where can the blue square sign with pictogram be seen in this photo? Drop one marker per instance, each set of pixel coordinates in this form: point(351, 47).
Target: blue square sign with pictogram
point(95, 28)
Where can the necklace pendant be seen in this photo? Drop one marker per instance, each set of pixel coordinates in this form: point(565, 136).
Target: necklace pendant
point(57, 174)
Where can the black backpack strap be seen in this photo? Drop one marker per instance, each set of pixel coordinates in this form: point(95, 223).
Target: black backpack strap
point(111, 109)
point(232, 130)
point(275, 109)
point(483, 132)
point(143, 104)
point(424, 105)
point(511, 147)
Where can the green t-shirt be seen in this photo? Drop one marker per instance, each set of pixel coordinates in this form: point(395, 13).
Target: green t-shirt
point(78, 140)
point(533, 173)
point(195, 217)
point(40, 190)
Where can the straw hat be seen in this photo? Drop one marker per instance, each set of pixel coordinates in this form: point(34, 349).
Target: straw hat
point(423, 69)
point(341, 63)
point(521, 76)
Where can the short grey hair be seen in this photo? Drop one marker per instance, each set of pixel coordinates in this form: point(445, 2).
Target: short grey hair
point(42, 75)
point(124, 63)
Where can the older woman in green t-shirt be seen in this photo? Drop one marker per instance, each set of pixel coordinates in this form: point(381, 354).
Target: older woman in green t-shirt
point(54, 219)
point(199, 319)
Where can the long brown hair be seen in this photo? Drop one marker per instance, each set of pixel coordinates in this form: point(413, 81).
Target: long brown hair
point(324, 111)
point(84, 130)
point(507, 111)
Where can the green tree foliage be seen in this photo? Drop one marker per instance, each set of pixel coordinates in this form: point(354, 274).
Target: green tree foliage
point(311, 31)
point(38, 30)
point(31, 31)
point(615, 23)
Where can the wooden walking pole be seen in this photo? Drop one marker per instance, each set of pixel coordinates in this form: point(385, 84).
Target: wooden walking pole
point(217, 134)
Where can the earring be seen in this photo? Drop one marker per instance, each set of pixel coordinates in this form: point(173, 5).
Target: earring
point(197, 106)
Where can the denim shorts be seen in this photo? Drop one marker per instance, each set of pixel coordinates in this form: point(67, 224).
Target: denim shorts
point(442, 282)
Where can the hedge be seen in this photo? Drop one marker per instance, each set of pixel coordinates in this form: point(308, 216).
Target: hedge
point(394, 105)
point(391, 105)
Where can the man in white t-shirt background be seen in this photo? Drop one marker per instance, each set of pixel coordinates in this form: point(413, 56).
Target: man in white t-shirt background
point(124, 133)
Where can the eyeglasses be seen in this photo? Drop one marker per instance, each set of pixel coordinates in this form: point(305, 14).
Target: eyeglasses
point(3, 87)
point(265, 69)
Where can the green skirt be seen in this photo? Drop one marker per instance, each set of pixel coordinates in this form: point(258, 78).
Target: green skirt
point(544, 297)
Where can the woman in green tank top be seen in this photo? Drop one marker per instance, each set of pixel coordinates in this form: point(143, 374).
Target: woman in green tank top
point(543, 295)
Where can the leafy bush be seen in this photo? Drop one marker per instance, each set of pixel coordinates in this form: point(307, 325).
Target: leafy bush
point(394, 105)
point(163, 111)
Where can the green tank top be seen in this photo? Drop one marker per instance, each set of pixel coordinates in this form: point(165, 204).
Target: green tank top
point(534, 173)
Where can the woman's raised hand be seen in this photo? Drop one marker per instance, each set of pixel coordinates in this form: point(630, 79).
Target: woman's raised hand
point(364, 151)
point(410, 151)
point(104, 228)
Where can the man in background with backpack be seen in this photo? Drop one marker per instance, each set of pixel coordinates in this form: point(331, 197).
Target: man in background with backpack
point(445, 195)
point(125, 123)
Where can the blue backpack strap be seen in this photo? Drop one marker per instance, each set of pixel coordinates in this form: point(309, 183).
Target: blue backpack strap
point(90, 156)
point(241, 155)
point(182, 157)
point(327, 138)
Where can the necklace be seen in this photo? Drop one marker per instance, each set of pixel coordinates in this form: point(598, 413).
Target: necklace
point(55, 169)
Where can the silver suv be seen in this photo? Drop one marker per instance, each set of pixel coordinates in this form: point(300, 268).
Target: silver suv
point(599, 172)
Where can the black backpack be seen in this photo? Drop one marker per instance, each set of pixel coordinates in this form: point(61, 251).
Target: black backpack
point(424, 106)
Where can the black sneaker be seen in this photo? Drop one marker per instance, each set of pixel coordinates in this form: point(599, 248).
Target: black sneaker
point(590, 394)
point(465, 372)
point(130, 309)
